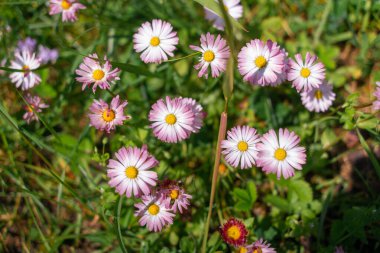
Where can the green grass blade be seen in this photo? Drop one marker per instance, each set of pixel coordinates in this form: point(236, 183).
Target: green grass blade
point(371, 155)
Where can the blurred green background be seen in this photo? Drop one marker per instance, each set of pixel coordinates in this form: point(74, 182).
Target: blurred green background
point(53, 186)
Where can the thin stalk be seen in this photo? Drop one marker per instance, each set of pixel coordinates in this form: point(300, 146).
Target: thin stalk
point(221, 136)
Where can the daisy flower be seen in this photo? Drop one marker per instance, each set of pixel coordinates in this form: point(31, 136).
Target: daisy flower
point(281, 155)
point(318, 99)
point(172, 120)
point(240, 148)
point(154, 213)
point(156, 41)
point(46, 54)
point(130, 172)
point(234, 232)
point(68, 8)
point(233, 8)
point(106, 117)
point(261, 63)
point(92, 72)
point(26, 78)
point(260, 246)
point(35, 105)
point(306, 75)
point(376, 104)
point(176, 195)
point(199, 114)
point(215, 53)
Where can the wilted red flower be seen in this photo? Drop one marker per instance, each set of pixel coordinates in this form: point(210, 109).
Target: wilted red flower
point(234, 232)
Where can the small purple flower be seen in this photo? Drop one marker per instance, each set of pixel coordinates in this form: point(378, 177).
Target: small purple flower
point(35, 105)
point(28, 44)
point(47, 55)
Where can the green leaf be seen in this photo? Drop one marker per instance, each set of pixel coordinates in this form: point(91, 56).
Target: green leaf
point(302, 189)
point(134, 69)
point(328, 138)
point(371, 155)
point(278, 202)
point(214, 6)
point(245, 197)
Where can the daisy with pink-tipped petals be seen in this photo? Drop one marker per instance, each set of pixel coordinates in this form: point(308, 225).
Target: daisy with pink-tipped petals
point(376, 104)
point(233, 8)
point(199, 114)
point(260, 246)
point(154, 212)
point(262, 63)
point(26, 78)
point(106, 117)
point(155, 41)
point(240, 148)
point(130, 172)
point(68, 8)
point(306, 75)
point(281, 155)
point(176, 195)
point(91, 71)
point(215, 54)
point(172, 120)
point(35, 105)
point(318, 99)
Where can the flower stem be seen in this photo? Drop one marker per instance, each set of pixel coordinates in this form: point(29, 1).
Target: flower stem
point(221, 136)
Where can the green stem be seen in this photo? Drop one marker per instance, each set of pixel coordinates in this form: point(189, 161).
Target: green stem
point(221, 136)
point(182, 58)
point(117, 225)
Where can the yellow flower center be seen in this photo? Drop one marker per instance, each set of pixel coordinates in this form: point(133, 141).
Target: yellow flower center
point(209, 56)
point(305, 72)
point(280, 154)
point(65, 5)
point(242, 250)
point(226, 8)
point(257, 250)
point(171, 119)
point(131, 172)
point(242, 146)
point(108, 115)
point(261, 62)
point(318, 94)
point(25, 68)
point(98, 74)
point(153, 209)
point(174, 194)
point(30, 108)
point(155, 41)
point(233, 232)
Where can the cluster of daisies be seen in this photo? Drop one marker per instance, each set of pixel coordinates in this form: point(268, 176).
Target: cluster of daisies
point(280, 154)
point(235, 233)
point(28, 57)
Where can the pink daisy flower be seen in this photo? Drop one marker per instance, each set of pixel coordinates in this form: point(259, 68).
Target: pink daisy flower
point(176, 195)
point(260, 246)
point(199, 114)
point(92, 72)
point(68, 8)
point(262, 63)
point(106, 117)
point(234, 232)
point(240, 148)
point(28, 44)
point(26, 78)
point(215, 53)
point(376, 104)
point(156, 41)
point(318, 99)
point(130, 172)
point(233, 8)
point(306, 75)
point(154, 212)
point(281, 155)
point(35, 105)
point(172, 120)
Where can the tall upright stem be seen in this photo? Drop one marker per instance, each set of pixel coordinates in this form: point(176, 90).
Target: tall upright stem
point(221, 136)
